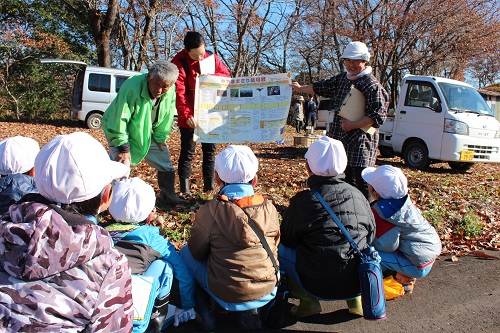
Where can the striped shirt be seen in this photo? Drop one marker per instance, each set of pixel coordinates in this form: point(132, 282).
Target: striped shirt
point(361, 147)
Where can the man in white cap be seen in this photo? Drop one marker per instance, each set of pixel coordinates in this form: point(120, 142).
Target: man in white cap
point(17, 161)
point(405, 240)
point(150, 254)
point(228, 260)
point(316, 257)
point(58, 269)
point(361, 146)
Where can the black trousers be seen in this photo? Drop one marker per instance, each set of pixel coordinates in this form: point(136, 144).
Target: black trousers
point(188, 148)
point(353, 177)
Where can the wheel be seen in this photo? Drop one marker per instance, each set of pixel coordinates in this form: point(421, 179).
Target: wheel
point(460, 166)
point(94, 121)
point(386, 151)
point(416, 156)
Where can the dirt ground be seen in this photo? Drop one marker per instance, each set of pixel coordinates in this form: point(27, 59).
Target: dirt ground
point(462, 296)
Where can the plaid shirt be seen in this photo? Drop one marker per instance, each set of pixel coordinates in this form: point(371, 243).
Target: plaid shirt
point(361, 147)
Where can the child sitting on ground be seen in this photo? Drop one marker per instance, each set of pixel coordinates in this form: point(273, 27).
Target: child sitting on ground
point(230, 263)
point(150, 254)
point(405, 240)
point(17, 161)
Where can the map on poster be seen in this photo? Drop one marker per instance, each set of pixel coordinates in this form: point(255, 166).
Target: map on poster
point(244, 109)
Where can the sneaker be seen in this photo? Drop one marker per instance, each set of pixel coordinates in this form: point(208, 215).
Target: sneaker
point(407, 282)
point(249, 320)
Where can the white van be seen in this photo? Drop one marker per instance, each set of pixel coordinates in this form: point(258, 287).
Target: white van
point(94, 89)
point(439, 119)
point(325, 113)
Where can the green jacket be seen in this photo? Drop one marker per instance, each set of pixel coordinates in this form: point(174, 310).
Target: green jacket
point(128, 117)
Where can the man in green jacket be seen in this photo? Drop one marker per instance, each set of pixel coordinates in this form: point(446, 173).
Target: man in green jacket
point(139, 120)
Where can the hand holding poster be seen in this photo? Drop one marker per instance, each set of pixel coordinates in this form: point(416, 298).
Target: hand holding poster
point(245, 109)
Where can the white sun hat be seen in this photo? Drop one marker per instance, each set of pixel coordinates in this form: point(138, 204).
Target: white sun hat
point(133, 200)
point(74, 168)
point(356, 51)
point(17, 155)
point(388, 181)
point(236, 164)
point(326, 157)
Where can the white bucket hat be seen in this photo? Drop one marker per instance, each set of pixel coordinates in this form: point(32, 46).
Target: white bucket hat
point(133, 200)
point(388, 181)
point(326, 157)
point(356, 51)
point(236, 164)
point(17, 155)
point(74, 168)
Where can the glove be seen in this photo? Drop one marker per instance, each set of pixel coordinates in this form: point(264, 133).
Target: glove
point(181, 316)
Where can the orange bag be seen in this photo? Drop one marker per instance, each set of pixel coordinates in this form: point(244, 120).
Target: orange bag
point(392, 288)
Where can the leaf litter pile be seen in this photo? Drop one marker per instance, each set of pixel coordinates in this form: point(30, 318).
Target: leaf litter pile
point(463, 207)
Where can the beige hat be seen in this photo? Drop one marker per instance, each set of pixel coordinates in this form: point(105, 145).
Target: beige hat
point(17, 155)
point(326, 157)
point(236, 164)
point(133, 200)
point(74, 168)
point(388, 181)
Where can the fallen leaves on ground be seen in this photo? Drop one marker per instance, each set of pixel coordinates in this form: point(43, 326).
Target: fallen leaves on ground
point(444, 196)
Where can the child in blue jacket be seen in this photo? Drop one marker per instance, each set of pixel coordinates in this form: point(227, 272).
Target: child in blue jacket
point(150, 254)
point(17, 161)
point(404, 239)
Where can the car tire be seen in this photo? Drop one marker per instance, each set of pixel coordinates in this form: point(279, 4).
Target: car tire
point(416, 156)
point(94, 121)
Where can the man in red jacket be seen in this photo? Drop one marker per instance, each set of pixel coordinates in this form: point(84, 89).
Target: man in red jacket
point(189, 68)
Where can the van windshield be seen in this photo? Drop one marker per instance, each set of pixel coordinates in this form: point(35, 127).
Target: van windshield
point(464, 99)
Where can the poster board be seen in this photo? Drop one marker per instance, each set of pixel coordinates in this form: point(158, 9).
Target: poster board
point(245, 109)
point(353, 108)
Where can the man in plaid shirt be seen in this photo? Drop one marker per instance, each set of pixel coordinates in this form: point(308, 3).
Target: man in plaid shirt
point(361, 147)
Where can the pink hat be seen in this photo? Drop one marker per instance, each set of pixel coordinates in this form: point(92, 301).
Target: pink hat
point(388, 181)
point(133, 200)
point(74, 168)
point(236, 164)
point(17, 155)
point(326, 157)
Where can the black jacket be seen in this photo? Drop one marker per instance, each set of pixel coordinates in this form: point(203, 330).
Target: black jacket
point(326, 264)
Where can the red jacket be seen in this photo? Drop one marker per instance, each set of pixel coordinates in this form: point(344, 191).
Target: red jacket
point(185, 86)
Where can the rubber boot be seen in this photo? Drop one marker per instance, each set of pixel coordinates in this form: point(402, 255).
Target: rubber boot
point(158, 316)
point(205, 316)
point(185, 186)
point(308, 305)
point(355, 306)
point(407, 282)
point(166, 182)
point(249, 320)
point(208, 184)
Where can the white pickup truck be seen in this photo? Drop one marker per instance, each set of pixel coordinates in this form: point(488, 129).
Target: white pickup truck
point(438, 119)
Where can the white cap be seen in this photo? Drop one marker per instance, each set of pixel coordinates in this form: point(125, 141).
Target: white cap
point(388, 181)
point(236, 164)
point(326, 157)
point(133, 200)
point(356, 50)
point(17, 155)
point(300, 98)
point(74, 168)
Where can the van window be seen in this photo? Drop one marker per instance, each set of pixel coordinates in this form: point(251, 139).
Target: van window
point(100, 82)
point(326, 104)
point(421, 94)
point(119, 82)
